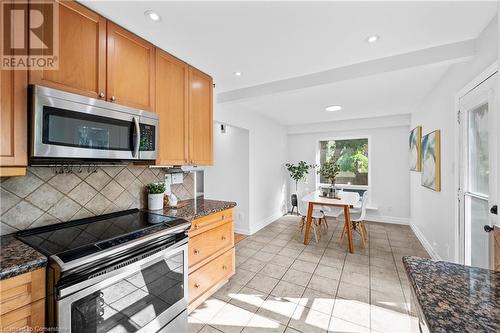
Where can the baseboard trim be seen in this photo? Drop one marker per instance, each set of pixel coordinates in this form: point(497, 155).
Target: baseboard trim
point(242, 231)
point(388, 219)
point(265, 222)
point(427, 246)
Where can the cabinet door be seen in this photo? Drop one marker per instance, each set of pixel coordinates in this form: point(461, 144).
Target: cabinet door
point(13, 122)
point(82, 53)
point(171, 107)
point(131, 75)
point(200, 118)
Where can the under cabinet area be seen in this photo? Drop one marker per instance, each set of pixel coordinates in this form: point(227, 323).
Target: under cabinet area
point(211, 255)
point(22, 304)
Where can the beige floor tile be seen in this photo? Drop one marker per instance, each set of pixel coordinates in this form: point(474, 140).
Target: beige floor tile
point(328, 272)
point(274, 271)
point(353, 292)
point(289, 291)
point(318, 301)
point(297, 277)
point(282, 261)
point(263, 283)
point(253, 265)
point(308, 320)
point(323, 284)
point(303, 266)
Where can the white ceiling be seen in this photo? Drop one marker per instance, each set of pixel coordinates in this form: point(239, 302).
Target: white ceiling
point(269, 41)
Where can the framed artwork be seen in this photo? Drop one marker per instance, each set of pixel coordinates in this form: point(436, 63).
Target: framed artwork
point(431, 160)
point(415, 141)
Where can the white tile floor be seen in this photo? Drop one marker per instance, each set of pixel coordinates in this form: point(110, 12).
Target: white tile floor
point(281, 285)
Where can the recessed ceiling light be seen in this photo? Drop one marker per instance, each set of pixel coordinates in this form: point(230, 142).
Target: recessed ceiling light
point(333, 108)
point(372, 38)
point(152, 15)
point(237, 73)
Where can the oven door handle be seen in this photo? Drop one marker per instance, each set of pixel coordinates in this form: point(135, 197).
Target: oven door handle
point(87, 287)
point(137, 142)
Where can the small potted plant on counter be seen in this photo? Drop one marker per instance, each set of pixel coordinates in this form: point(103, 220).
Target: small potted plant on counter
point(155, 195)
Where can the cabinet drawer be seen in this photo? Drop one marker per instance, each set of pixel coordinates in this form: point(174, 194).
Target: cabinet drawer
point(22, 290)
point(210, 221)
point(29, 318)
point(207, 276)
point(208, 243)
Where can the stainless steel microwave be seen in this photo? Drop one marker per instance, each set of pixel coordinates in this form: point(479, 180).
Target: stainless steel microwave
point(70, 126)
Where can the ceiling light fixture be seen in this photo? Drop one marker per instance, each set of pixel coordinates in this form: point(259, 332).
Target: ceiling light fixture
point(237, 73)
point(152, 15)
point(372, 38)
point(332, 108)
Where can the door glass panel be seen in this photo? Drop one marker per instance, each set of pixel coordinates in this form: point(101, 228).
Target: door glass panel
point(130, 304)
point(479, 238)
point(478, 150)
point(76, 129)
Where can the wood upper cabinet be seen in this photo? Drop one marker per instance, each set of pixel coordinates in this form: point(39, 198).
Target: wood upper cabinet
point(131, 69)
point(171, 107)
point(200, 118)
point(82, 53)
point(13, 123)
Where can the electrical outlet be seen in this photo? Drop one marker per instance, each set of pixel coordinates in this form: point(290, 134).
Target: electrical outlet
point(177, 178)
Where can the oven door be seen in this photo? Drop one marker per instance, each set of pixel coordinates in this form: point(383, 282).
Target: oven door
point(70, 126)
point(143, 296)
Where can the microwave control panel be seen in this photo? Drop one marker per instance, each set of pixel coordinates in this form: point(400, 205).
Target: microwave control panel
point(147, 137)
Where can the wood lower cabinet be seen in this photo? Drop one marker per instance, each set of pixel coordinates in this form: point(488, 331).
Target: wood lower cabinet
point(82, 53)
point(171, 107)
point(200, 118)
point(211, 256)
point(131, 69)
point(13, 123)
point(22, 304)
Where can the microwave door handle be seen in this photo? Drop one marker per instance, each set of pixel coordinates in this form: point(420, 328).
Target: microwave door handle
point(135, 153)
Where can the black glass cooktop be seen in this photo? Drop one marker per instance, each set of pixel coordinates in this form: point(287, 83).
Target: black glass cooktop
point(79, 238)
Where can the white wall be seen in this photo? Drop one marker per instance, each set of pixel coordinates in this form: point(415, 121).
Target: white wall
point(389, 181)
point(433, 213)
point(229, 178)
point(268, 149)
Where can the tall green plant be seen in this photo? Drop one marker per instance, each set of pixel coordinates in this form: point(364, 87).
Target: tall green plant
point(330, 169)
point(299, 171)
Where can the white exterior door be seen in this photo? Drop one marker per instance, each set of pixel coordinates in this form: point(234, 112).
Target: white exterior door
point(478, 179)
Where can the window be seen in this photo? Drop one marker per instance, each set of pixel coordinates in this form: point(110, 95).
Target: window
point(352, 155)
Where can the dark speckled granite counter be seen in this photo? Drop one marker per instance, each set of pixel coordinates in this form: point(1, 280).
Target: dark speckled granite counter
point(17, 258)
point(198, 208)
point(455, 298)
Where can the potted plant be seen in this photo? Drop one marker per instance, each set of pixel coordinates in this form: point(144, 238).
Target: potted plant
point(330, 170)
point(298, 172)
point(155, 195)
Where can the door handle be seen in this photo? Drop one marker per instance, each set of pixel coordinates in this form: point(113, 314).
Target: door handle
point(135, 153)
point(487, 228)
point(494, 210)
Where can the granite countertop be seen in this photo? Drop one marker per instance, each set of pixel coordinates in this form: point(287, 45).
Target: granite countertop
point(195, 208)
point(455, 298)
point(17, 258)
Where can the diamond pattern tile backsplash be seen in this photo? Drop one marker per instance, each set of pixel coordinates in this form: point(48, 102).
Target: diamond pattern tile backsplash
point(43, 197)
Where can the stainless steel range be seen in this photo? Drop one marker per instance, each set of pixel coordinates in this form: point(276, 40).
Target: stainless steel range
point(125, 271)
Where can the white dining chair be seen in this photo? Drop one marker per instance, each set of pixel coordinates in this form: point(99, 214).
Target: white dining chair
point(358, 217)
point(317, 215)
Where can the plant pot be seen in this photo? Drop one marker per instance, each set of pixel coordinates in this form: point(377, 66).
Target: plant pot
point(155, 201)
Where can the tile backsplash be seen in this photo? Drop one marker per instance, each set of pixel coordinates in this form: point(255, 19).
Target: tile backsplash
point(43, 197)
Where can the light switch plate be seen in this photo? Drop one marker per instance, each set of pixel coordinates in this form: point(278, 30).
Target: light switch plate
point(177, 178)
